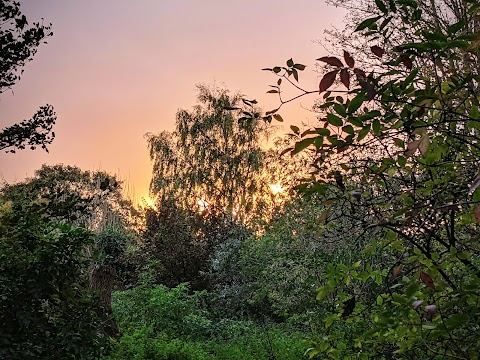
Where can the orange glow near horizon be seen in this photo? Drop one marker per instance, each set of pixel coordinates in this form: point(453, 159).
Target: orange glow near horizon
point(115, 70)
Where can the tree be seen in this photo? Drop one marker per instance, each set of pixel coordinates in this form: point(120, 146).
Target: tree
point(212, 158)
point(18, 45)
point(46, 310)
point(68, 194)
point(401, 144)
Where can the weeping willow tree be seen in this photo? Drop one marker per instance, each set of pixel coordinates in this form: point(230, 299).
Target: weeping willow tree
point(213, 160)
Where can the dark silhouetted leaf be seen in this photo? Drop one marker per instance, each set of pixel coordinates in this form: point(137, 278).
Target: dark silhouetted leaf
point(381, 6)
point(290, 62)
point(348, 59)
point(299, 67)
point(367, 23)
point(278, 117)
point(295, 129)
point(327, 80)
point(331, 60)
point(360, 74)
point(371, 92)
point(406, 61)
point(377, 50)
point(302, 145)
point(345, 78)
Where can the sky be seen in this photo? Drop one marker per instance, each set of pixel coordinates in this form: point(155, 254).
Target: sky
point(117, 69)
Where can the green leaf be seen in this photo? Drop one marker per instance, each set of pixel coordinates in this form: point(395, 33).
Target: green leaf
point(376, 127)
point(379, 300)
point(364, 132)
point(334, 120)
point(340, 109)
point(367, 23)
point(381, 6)
point(355, 103)
point(452, 29)
point(290, 62)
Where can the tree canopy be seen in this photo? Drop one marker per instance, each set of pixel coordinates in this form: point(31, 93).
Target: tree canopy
point(18, 45)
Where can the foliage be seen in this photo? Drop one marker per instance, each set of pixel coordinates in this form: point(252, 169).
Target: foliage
point(18, 45)
point(46, 310)
point(162, 323)
point(212, 158)
point(182, 241)
point(69, 194)
point(400, 147)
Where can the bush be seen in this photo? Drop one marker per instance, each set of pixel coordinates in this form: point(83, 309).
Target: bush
point(45, 308)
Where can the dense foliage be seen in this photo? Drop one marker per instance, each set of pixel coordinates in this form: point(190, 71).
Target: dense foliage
point(18, 45)
point(46, 310)
point(371, 253)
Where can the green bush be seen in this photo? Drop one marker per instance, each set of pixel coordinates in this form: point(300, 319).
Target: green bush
point(46, 310)
point(162, 323)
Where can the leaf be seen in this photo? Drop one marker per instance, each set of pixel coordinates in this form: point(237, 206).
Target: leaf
point(290, 62)
point(334, 120)
point(360, 74)
point(423, 145)
point(277, 69)
point(278, 117)
point(367, 23)
point(324, 215)
point(295, 129)
point(406, 61)
point(397, 270)
point(327, 80)
point(377, 50)
point(286, 151)
point(355, 104)
point(295, 74)
point(340, 109)
point(348, 59)
point(299, 67)
point(427, 279)
point(364, 132)
point(331, 60)
point(231, 108)
point(452, 29)
point(477, 213)
point(371, 92)
point(345, 78)
point(412, 147)
point(302, 145)
point(381, 6)
point(272, 92)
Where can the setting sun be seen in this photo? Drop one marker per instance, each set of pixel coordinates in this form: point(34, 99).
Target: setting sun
point(276, 188)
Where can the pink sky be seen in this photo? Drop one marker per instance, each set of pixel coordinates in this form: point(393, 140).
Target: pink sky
point(117, 69)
